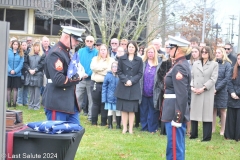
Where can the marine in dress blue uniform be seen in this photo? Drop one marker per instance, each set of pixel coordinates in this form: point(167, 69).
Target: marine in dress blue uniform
point(59, 98)
point(175, 105)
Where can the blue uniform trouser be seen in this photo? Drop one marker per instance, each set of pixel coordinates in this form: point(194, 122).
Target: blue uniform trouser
point(148, 115)
point(61, 116)
point(175, 142)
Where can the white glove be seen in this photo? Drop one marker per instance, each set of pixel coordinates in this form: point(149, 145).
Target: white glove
point(175, 124)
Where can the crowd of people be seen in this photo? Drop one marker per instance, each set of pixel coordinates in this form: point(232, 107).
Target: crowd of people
point(177, 86)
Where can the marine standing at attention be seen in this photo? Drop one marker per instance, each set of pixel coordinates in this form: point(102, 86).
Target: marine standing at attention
point(175, 105)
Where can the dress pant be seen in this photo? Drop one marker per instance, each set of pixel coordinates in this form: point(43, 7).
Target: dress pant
point(96, 92)
point(83, 88)
point(207, 130)
point(175, 142)
point(232, 127)
point(148, 115)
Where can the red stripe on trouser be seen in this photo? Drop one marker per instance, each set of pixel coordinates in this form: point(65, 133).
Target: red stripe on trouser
point(174, 148)
point(10, 136)
point(10, 145)
point(53, 115)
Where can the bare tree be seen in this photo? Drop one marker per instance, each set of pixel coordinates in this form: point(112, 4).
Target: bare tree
point(116, 18)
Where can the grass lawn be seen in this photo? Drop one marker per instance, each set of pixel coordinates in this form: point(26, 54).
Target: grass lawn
point(104, 144)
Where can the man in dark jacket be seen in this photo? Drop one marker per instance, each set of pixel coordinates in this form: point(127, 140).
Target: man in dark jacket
point(229, 50)
point(59, 98)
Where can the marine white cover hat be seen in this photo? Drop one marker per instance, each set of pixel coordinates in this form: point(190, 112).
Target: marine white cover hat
point(73, 31)
point(177, 41)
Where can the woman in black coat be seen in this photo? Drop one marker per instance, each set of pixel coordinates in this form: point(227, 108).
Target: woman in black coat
point(232, 129)
point(220, 98)
point(128, 92)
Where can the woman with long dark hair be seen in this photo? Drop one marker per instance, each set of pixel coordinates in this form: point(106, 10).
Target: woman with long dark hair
point(203, 79)
point(232, 128)
point(128, 92)
point(15, 64)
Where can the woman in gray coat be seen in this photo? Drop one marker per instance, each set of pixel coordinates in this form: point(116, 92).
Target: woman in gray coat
point(34, 79)
point(204, 77)
point(220, 99)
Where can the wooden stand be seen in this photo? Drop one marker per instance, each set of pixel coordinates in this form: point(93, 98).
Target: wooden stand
point(14, 120)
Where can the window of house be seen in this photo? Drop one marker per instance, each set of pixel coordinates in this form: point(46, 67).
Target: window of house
point(1, 14)
point(16, 19)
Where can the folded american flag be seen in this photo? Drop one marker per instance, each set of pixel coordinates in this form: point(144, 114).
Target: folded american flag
point(55, 127)
point(72, 67)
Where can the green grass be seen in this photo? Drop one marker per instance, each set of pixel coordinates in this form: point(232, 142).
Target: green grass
point(100, 143)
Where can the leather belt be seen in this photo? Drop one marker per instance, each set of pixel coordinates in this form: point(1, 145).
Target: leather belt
point(169, 96)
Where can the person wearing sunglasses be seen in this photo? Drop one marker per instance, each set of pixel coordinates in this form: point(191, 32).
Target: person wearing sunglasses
point(86, 55)
point(114, 45)
point(229, 51)
point(59, 98)
point(175, 112)
point(204, 77)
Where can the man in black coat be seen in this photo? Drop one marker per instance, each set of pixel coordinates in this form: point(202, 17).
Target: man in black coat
point(229, 50)
point(59, 98)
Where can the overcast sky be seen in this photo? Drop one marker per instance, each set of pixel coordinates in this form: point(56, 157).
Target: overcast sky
point(224, 10)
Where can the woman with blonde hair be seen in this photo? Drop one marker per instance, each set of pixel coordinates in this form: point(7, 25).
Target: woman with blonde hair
point(220, 98)
point(148, 114)
point(100, 65)
point(34, 63)
point(15, 64)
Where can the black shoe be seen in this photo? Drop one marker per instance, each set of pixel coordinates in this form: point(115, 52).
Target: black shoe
point(192, 137)
point(110, 122)
point(14, 105)
point(118, 118)
point(94, 121)
point(136, 125)
point(103, 121)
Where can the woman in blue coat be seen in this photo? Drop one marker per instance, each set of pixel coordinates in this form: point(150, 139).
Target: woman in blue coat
point(15, 64)
point(220, 98)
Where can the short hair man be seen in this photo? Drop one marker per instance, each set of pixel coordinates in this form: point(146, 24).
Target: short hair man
point(98, 44)
point(229, 51)
point(86, 55)
point(158, 43)
point(45, 44)
point(194, 43)
point(29, 42)
point(114, 45)
point(59, 98)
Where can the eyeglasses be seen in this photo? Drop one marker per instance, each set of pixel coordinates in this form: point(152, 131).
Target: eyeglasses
point(89, 41)
point(227, 48)
point(114, 43)
point(204, 52)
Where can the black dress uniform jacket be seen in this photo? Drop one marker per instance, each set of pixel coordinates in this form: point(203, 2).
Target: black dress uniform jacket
point(177, 81)
point(133, 72)
point(60, 94)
